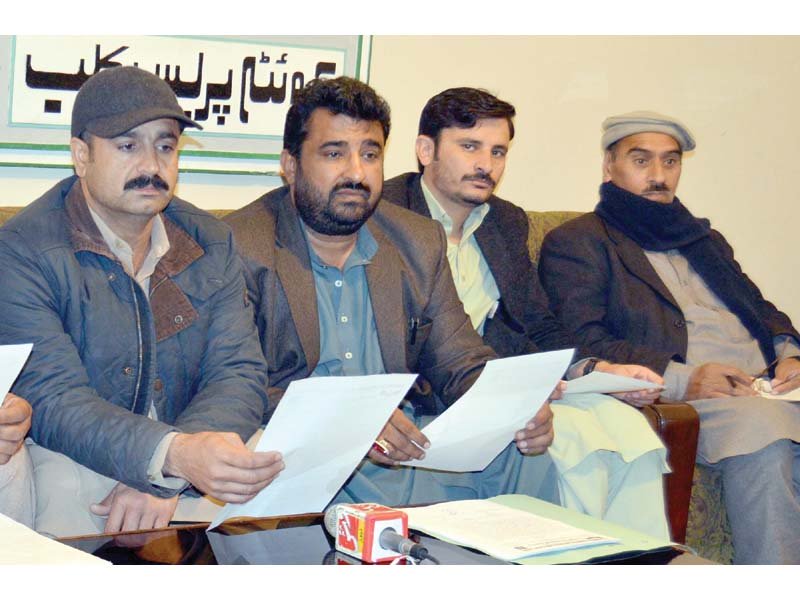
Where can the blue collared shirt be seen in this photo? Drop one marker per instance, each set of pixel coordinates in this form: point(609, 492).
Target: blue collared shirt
point(348, 335)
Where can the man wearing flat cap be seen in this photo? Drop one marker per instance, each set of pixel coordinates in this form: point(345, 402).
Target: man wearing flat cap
point(146, 374)
point(641, 279)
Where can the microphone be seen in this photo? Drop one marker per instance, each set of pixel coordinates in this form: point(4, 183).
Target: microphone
point(391, 540)
point(371, 532)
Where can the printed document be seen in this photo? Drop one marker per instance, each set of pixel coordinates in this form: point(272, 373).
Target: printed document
point(12, 359)
point(323, 427)
point(500, 531)
point(476, 428)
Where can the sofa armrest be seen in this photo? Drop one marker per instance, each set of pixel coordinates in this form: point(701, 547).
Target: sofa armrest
point(678, 426)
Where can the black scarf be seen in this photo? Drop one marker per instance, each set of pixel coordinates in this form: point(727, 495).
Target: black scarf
point(659, 227)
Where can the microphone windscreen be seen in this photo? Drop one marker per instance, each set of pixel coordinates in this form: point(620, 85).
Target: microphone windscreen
point(331, 516)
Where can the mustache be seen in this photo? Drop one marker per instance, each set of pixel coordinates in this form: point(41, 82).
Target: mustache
point(657, 187)
point(144, 181)
point(352, 185)
point(480, 177)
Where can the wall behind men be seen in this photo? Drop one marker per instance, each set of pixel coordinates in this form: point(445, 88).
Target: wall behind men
point(738, 95)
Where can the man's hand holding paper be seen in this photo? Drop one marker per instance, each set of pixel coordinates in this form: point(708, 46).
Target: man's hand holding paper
point(637, 398)
point(537, 435)
point(219, 464)
point(15, 412)
point(400, 440)
point(508, 403)
point(322, 428)
point(15, 421)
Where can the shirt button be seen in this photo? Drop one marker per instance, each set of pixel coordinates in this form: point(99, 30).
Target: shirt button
point(127, 371)
point(348, 355)
point(178, 319)
point(111, 276)
point(338, 283)
point(678, 323)
point(158, 385)
point(344, 319)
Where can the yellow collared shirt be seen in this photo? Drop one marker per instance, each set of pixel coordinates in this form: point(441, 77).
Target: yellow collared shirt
point(474, 281)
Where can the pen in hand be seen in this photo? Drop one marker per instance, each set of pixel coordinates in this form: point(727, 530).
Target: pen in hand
point(736, 383)
point(765, 371)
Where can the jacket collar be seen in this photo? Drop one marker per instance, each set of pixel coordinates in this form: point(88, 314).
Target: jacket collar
point(416, 197)
point(85, 236)
point(293, 266)
point(385, 280)
point(172, 309)
point(634, 259)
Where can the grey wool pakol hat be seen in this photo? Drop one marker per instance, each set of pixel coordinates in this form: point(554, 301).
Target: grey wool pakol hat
point(118, 99)
point(617, 127)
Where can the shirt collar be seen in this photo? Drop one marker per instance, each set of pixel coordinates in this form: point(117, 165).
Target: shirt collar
point(362, 254)
point(474, 220)
point(159, 241)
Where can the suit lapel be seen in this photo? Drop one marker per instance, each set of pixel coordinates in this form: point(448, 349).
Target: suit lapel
point(384, 277)
point(634, 259)
point(488, 236)
point(293, 266)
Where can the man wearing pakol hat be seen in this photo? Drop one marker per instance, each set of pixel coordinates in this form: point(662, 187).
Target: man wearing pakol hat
point(146, 374)
point(641, 279)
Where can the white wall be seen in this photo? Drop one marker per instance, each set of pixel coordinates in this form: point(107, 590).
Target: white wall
point(739, 95)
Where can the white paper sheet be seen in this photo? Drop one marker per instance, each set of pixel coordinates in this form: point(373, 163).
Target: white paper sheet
point(509, 392)
point(793, 396)
point(323, 426)
point(500, 531)
point(598, 382)
point(22, 546)
point(12, 359)
point(763, 388)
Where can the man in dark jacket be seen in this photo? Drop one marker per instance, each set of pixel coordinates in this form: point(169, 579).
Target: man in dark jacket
point(145, 375)
point(642, 279)
point(347, 285)
point(464, 137)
